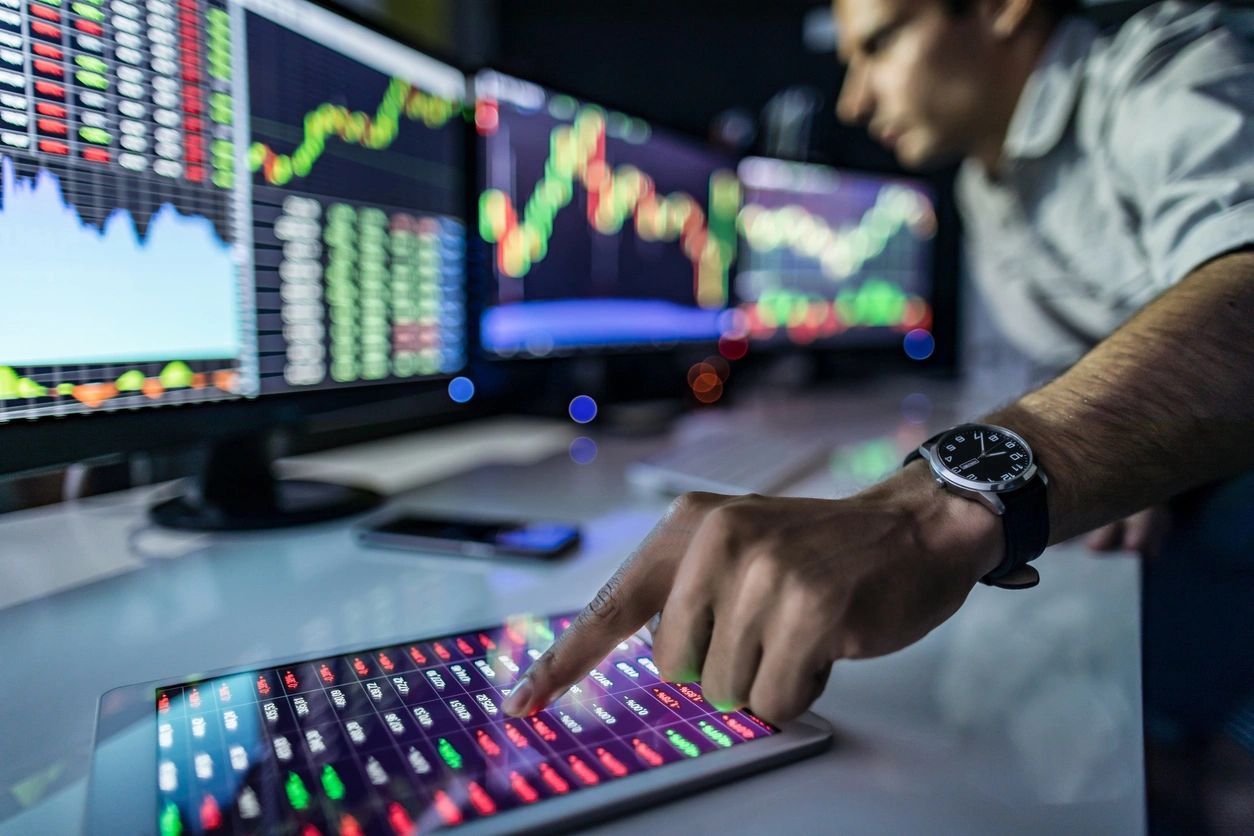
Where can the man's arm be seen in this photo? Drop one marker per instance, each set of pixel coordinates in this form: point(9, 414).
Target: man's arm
point(760, 595)
point(1164, 404)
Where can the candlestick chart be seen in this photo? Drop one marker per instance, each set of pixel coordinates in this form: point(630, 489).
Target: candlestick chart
point(613, 197)
point(603, 230)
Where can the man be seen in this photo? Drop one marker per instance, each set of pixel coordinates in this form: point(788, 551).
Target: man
point(1109, 189)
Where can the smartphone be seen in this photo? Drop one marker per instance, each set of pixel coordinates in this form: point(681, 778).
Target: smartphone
point(473, 538)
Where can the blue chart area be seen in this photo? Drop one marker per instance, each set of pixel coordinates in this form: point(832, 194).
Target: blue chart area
point(72, 292)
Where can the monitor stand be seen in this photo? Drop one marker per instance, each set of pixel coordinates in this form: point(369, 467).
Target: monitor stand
point(236, 490)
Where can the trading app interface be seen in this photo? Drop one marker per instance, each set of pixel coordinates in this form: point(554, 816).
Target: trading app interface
point(830, 255)
point(604, 231)
point(411, 738)
point(154, 152)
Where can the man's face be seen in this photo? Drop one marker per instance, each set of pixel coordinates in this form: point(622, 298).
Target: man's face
point(916, 77)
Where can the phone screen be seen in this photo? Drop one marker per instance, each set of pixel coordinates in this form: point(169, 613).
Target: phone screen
point(505, 536)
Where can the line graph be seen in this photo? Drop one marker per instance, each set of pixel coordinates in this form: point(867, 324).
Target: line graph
point(354, 127)
point(842, 251)
point(324, 120)
point(614, 196)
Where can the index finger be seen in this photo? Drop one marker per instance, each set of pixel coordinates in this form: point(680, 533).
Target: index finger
point(632, 595)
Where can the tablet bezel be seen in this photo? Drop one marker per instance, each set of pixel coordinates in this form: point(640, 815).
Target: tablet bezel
point(122, 787)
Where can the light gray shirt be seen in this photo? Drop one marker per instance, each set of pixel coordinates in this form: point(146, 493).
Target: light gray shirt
point(1129, 163)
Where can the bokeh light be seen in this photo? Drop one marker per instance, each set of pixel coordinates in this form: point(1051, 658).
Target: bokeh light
point(583, 450)
point(697, 370)
point(733, 348)
point(705, 382)
point(916, 408)
point(582, 409)
point(710, 395)
point(706, 379)
point(720, 366)
point(733, 323)
point(461, 389)
point(918, 344)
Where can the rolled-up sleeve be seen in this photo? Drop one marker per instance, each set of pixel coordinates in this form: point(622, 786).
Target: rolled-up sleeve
point(1182, 140)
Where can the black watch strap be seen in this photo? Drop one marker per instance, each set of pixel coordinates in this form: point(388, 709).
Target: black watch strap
point(1025, 529)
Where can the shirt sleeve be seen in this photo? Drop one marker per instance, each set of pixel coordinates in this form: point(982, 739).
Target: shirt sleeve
point(1181, 140)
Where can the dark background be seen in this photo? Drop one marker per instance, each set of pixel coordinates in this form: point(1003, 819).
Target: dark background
point(680, 63)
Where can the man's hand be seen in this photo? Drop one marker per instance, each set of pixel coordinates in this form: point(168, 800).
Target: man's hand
point(759, 596)
point(1142, 533)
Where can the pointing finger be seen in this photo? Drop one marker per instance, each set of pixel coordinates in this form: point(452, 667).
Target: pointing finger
point(634, 593)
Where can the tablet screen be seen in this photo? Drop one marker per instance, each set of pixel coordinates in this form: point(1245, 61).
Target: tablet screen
point(411, 737)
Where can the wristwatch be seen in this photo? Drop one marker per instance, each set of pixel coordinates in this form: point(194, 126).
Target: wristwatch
point(995, 467)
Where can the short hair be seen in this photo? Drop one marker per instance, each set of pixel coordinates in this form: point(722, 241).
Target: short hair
point(1053, 9)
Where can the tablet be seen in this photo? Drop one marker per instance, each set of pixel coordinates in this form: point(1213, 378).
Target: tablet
point(409, 737)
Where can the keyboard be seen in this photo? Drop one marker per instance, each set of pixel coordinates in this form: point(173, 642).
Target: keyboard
point(727, 462)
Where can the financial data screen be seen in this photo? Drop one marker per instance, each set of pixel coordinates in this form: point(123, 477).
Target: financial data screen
point(832, 256)
point(602, 229)
point(411, 738)
point(355, 157)
point(155, 154)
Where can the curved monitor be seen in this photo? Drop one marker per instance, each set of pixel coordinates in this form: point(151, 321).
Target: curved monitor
point(215, 200)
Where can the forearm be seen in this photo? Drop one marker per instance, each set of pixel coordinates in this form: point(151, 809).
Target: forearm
point(1164, 404)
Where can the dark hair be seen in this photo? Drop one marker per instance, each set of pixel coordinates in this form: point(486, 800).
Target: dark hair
point(1053, 9)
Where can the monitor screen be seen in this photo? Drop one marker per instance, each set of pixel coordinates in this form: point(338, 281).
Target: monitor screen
point(604, 231)
point(153, 156)
point(355, 157)
point(833, 257)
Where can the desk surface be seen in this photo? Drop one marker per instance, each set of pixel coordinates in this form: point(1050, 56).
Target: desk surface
point(1021, 714)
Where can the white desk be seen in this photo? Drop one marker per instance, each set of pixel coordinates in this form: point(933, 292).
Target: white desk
point(1021, 714)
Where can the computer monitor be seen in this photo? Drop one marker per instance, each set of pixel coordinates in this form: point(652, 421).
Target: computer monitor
point(218, 201)
point(834, 258)
point(605, 232)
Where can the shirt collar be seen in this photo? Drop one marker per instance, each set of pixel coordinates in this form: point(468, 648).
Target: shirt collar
point(1048, 98)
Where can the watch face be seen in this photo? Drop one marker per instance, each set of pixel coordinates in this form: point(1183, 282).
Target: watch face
point(983, 454)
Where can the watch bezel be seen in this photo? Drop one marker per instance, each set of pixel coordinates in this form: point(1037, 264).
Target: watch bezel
point(943, 473)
